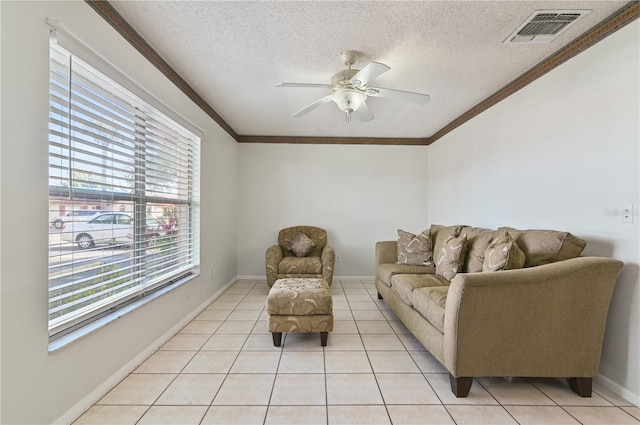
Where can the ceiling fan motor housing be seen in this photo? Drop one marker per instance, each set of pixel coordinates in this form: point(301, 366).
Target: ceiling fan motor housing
point(351, 89)
point(343, 78)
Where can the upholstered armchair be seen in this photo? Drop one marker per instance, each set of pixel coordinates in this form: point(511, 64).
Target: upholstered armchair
point(302, 251)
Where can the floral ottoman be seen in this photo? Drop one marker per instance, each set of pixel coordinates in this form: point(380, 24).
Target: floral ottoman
point(300, 305)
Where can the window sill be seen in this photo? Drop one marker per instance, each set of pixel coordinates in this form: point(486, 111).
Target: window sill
point(69, 338)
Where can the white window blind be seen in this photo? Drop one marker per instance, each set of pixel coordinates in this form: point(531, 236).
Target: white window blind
point(123, 195)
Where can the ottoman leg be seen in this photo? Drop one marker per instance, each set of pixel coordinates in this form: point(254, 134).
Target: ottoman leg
point(323, 338)
point(277, 338)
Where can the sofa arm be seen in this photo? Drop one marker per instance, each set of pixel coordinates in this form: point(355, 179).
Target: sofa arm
point(273, 256)
point(386, 252)
point(547, 320)
point(328, 259)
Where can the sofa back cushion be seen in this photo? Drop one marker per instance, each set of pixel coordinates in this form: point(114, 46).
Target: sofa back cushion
point(544, 246)
point(478, 240)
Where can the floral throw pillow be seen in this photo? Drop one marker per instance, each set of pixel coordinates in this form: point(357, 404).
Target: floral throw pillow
point(415, 249)
point(503, 254)
point(451, 256)
point(301, 245)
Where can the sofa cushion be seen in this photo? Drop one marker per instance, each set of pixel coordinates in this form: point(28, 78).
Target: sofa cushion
point(430, 302)
point(304, 265)
point(414, 249)
point(478, 240)
point(301, 245)
point(451, 257)
point(503, 254)
point(387, 270)
point(404, 284)
point(439, 234)
point(544, 246)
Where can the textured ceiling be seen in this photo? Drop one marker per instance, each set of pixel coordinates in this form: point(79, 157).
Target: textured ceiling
point(232, 54)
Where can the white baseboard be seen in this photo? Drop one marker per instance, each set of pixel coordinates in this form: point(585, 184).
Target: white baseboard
point(251, 278)
point(618, 389)
point(90, 399)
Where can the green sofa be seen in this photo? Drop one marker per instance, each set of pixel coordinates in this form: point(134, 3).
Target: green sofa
point(545, 319)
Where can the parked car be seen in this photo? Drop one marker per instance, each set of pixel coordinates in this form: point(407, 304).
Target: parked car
point(107, 228)
point(72, 216)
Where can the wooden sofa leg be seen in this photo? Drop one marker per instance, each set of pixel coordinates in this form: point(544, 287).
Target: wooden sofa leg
point(380, 296)
point(323, 338)
point(460, 386)
point(581, 386)
point(277, 338)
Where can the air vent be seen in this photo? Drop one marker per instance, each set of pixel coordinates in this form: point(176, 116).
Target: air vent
point(545, 25)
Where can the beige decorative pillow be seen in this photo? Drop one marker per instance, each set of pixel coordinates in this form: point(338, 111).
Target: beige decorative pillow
point(414, 250)
point(451, 256)
point(503, 254)
point(301, 245)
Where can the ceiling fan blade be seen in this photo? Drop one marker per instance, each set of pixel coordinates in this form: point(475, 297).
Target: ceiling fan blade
point(406, 96)
point(368, 73)
point(313, 106)
point(364, 113)
point(308, 85)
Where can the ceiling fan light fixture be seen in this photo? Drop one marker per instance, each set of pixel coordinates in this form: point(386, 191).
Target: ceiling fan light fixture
point(351, 89)
point(348, 100)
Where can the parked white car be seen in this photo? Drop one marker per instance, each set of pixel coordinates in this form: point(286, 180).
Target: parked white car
point(72, 216)
point(106, 228)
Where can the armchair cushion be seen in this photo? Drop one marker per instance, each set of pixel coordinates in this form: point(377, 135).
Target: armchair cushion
point(301, 245)
point(300, 265)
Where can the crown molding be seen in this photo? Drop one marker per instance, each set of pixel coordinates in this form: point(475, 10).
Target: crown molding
point(109, 14)
point(334, 140)
point(624, 16)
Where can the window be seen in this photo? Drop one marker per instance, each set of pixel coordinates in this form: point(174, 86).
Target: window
point(123, 195)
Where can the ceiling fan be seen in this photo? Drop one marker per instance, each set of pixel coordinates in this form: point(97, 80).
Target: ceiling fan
point(351, 89)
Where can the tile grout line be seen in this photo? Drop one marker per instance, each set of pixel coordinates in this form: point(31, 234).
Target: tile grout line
point(387, 318)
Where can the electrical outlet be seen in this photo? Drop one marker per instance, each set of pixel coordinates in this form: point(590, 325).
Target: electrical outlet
point(338, 258)
point(626, 216)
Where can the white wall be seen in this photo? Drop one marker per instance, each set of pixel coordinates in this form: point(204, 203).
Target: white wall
point(554, 163)
point(560, 154)
point(37, 386)
point(359, 194)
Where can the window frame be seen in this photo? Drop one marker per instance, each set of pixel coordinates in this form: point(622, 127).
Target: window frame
point(159, 285)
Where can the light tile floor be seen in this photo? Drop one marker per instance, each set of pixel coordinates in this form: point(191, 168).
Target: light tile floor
point(222, 368)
